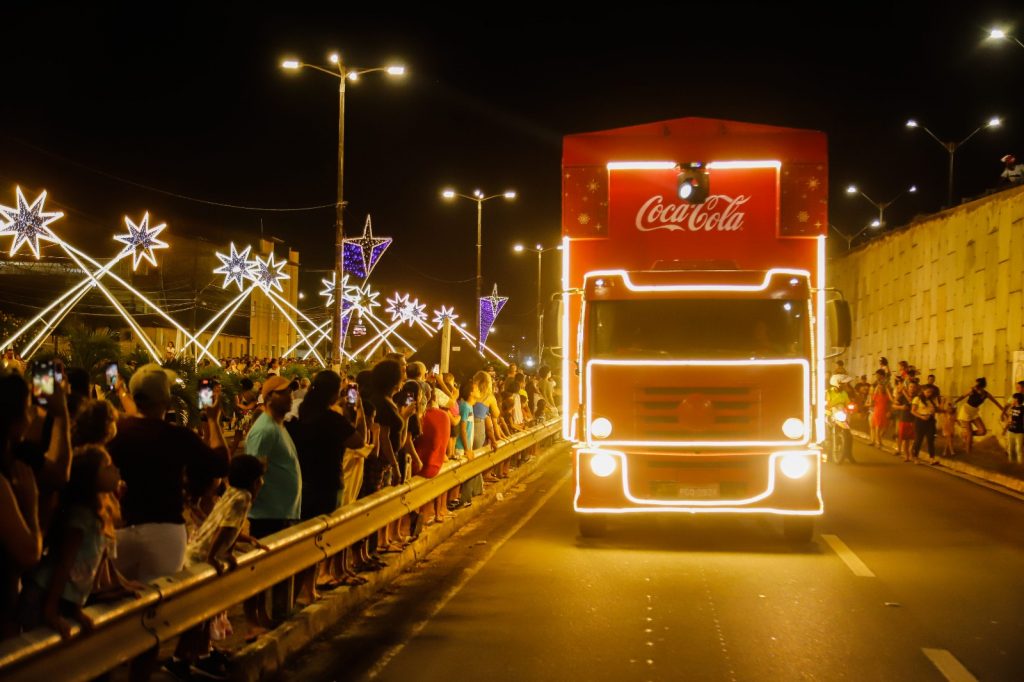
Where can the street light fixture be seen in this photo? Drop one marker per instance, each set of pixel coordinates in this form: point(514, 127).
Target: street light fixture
point(874, 224)
point(540, 251)
point(343, 73)
point(479, 197)
point(881, 205)
point(951, 147)
point(1000, 34)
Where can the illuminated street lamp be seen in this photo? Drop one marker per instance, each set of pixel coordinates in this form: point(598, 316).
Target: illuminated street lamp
point(873, 225)
point(951, 147)
point(881, 206)
point(1000, 34)
point(343, 73)
point(479, 197)
point(540, 251)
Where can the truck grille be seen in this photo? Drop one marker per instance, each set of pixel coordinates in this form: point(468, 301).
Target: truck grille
point(696, 412)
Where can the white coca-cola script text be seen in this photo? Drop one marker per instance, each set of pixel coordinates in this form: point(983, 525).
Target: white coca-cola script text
point(719, 213)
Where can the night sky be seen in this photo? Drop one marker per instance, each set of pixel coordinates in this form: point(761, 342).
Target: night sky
point(193, 102)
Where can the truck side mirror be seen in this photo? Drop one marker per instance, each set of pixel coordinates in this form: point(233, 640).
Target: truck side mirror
point(837, 317)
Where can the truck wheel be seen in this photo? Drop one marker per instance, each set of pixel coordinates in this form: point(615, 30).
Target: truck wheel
point(798, 529)
point(593, 526)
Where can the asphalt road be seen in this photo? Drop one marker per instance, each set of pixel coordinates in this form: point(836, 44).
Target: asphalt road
point(913, 575)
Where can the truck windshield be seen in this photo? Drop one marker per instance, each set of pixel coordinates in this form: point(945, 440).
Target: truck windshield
point(698, 329)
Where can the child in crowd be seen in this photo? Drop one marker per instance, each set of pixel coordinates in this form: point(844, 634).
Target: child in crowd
point(1014, 429)
point(81, 538)
point(947, 426)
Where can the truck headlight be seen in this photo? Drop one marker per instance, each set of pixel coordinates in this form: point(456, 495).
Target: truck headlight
point(603, 465)
point(794, 428)
point(795, 466)
point(601, 428)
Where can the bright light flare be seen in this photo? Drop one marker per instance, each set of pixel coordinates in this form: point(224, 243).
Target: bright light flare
point(518, 248)
point(603, 464)
point(852, 189)
point(795, 466)
point(334, 58)
point(912, 123)
point(509, 194)
point(794, 428)
point(997, 34)
point(448, 194)
point(396, 70)
point(601, 427)
point(292, 64)
point(994, 122)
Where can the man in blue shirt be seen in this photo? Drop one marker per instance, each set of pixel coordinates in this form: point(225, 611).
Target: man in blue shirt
point(278, 503)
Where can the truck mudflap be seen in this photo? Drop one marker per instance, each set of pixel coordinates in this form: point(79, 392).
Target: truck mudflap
point(784, 482)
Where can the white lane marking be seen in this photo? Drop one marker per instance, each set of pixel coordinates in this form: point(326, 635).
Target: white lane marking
point(852, 561)
point(467, 575)
point(952, 669)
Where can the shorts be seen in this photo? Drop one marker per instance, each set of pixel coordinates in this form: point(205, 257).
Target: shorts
point(905, 430)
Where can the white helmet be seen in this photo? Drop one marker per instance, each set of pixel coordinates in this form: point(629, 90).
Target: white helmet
point(838, 380)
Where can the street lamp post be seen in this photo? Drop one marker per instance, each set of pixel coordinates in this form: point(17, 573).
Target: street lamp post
point(343, 73)
point(540, 251)
point(951, 147)
point(479, 197)
point(881, 206)
point(874, 224)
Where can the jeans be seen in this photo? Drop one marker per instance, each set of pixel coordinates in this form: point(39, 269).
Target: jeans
point(924, 429)
point(1015, 447)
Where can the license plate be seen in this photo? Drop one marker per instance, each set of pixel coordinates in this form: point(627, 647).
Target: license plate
point(675, 491)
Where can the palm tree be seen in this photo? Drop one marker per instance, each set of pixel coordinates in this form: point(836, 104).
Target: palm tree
point(89, 347)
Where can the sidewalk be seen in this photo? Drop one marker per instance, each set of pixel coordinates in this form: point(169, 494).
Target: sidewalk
point(988, 460)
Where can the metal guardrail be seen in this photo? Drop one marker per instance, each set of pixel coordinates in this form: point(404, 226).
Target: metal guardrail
point(174, 604)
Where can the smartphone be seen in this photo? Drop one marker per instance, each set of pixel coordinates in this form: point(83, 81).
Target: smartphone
point(352, 395)
point(436, 369)
point(111, 374)
point(409, 399)
point(43, 376)
point(205, 393)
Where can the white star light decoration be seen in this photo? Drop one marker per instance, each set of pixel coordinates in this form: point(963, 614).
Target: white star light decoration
point(404, 310)
point(328, 291)
point(443, 314)
point(236, 266)
point(28, 222)
point(364, 299)
point(268, 274)
point(141, 240)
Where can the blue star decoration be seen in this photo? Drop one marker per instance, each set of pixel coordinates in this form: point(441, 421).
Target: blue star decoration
point(141, 240)
point(362, 253)
point(490, 306)
point(28, 223)
point(268, 274)
point(236, 266)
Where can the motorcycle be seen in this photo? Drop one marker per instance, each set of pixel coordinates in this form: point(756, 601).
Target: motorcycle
point(839, 437)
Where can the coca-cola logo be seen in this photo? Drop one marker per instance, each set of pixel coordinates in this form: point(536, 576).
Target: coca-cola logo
point(719, 213)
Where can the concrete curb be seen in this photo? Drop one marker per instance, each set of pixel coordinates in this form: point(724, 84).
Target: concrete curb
point(267, 656)
point(955, 467)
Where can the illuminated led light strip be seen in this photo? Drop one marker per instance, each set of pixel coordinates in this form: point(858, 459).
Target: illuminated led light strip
point(280, 299)
point(732, 165)
point(273, 299)
point(228, 314)
point(642, 165)
point(376, 338)
point(379, 326)
point(768, 276)
point(426, 328)
point(567, 345)
point(318, 330)
point(672, 165)
point(819, 319)
point(701, 363)
point(84, 284)
point(213, 319)
point(138, 294)
point(699, 506)
point(472, 339)
point(72, 253)
point(29, 348)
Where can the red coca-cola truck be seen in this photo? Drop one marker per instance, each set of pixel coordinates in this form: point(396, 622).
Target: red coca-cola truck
point(693, 336)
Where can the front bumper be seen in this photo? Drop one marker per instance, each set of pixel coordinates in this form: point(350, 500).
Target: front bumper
point(672, 482)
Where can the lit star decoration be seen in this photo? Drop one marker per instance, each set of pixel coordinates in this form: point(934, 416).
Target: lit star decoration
point(445, 314)
point(328, 291)
point(28, 222)
point(268, 274)
point(141, 240)
point(362, 253)
point(404, 310)
point(236, 267)
point(490, 306)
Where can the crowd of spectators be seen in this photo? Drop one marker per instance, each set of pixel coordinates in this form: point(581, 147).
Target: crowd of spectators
point(99, 497)
point(912, 410)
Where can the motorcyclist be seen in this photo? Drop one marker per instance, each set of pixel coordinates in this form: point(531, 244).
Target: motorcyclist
point(837, 399)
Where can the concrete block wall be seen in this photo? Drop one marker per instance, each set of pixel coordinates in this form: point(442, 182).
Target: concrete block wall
point(945, 294)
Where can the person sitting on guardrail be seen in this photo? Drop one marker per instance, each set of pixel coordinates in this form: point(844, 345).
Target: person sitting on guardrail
point(81, 537)
point(155, 458)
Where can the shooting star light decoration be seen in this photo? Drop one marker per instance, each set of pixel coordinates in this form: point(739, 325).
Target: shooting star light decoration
point(141, 240)
point(28, 222)
point(268, 273)
point(236, 267)
point(362, 253)
point(490, 306)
